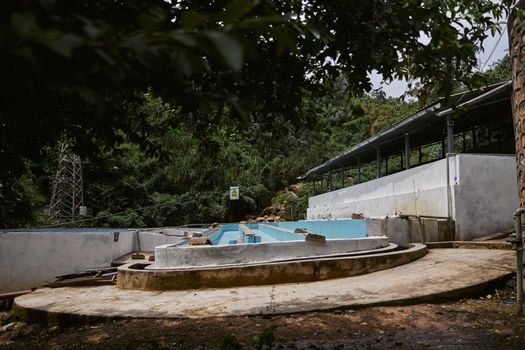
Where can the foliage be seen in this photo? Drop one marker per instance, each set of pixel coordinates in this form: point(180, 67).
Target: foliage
point(23, 203)
point(265, 339)
point(499, 71)
point(179, 100)
point(229, 342)
point(261, 341)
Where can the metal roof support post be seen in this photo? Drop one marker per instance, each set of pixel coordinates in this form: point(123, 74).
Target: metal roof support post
point(386, 165)
point(378, 163)
point(407, 151)
point(464, 140)
point(443, 152)
point(358, 170)
point(474, 141)
point(450, 134)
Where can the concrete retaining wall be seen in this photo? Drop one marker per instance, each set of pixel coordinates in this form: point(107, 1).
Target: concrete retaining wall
point(483, 195)
point(28, 259)
point(420, 190)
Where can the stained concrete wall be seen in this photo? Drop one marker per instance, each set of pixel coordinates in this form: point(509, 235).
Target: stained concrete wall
point(483, 195)
point(28, 259)
point(420, 190)
point(403, 232)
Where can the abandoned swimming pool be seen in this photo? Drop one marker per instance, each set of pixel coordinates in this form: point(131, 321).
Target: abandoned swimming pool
point(284, 231)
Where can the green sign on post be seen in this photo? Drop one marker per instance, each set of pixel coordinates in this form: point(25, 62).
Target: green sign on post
point(234, 193)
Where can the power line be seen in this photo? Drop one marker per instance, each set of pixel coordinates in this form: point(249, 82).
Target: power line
point(494, 48)
point(97, 217)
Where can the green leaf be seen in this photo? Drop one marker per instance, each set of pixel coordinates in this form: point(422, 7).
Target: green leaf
point(24, 24)
point(191, 19)
point(229, 48)
point(63, 45)
point(106, 57)
point(234, 10)
point(183, 38)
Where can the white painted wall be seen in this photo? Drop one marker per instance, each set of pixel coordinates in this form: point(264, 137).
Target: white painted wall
point(483, 194)
point(421, 190)
point(28, 259)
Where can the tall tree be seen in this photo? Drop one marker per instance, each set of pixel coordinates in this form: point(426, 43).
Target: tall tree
point(71, 65)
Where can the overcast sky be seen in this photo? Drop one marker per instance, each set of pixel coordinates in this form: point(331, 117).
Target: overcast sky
point(398, 87)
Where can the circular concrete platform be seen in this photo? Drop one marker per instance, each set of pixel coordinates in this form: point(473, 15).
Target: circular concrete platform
point(309, 269)
point(441, 274)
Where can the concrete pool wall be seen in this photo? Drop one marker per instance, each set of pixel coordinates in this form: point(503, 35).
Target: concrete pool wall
point(136, 276)
point(350, 228)
point(171, 256)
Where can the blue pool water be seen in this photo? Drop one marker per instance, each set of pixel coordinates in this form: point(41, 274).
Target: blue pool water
point(271, 232)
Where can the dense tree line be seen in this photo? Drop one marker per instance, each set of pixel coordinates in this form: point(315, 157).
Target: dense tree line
point(184, 180)
point(174, 101)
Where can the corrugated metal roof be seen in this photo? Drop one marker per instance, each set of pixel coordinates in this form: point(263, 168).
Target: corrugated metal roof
point(428, 117)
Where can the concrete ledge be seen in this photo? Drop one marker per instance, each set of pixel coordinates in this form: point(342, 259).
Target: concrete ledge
point(175, 257)
point(470, 245)
point(262, 274)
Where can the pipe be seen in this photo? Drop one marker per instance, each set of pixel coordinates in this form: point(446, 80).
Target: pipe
point(358, 170)
point(519, 260)
point(450, 134)
point(449, 190)
point(449, 193)
point(12, 295)
point(406, 216)
point(378, 163)
point(407, 151)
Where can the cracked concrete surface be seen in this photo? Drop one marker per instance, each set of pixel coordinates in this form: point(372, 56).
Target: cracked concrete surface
point(441, 274)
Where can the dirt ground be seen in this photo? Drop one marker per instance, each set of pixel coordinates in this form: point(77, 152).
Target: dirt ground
point(482, 322)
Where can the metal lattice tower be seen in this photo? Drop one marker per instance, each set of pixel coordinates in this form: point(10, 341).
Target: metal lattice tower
point(66, 185)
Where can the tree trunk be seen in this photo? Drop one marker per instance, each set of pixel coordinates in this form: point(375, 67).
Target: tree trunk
point(517, 56)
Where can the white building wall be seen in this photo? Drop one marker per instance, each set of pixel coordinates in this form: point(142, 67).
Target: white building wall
point(483, 194)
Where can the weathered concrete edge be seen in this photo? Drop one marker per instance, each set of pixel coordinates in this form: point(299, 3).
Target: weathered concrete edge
point(67, 319)
point(61, 319)
point(309, 270)
point(470, 245)
point(175, 258)
point(389, 247)
point(435, 298)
